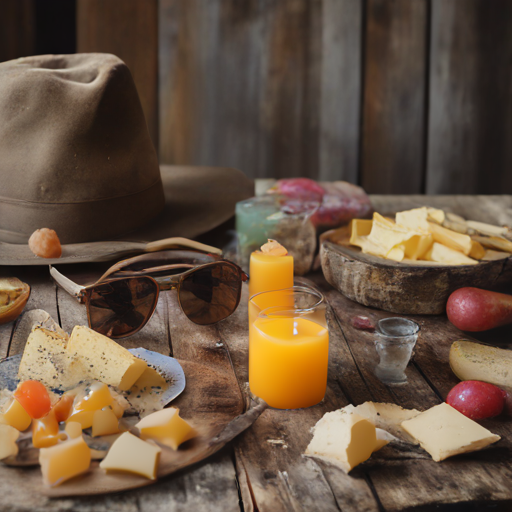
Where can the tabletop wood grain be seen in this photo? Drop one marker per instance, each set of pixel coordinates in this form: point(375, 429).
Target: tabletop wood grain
point(263, 469)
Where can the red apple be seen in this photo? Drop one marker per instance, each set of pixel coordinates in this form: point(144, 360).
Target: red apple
point(477, 400)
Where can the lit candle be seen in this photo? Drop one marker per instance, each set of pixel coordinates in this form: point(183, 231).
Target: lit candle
point(270, 269)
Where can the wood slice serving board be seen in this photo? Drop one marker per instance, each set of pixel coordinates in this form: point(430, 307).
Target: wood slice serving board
point(412, 288)
point(209, 403)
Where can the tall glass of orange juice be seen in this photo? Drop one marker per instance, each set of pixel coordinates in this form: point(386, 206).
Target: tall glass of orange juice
point(289, 350)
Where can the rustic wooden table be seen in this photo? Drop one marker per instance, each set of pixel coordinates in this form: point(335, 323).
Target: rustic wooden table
point(264, 469)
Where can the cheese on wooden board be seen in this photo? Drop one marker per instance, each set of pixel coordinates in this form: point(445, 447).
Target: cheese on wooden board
point(443, 431)
point(131, 454)
point(344, 438)
point(8, 437)
point(450, 238)
point(358, 228)
point(64, 461)
point(46, 360)
point(413, 219)
point(105, 360)
point(442, 254)
point(16, 416)
point(166, 427)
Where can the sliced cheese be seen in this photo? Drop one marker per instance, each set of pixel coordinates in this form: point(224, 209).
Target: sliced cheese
point(417, 246)
point(415, 219)
point(387, 234)
point(436, 215)
point(64, 461)
point(46, 359)
point(16, 416)
point(359, 227)
point(166, 427)
point(105, 360)
point(477, 250)
point(104, 423)
point(451, 239)
point(442, 254)
point(8, 437)
point(388, 417)
point(131, 454)
point(345, 438)
point(443, 431)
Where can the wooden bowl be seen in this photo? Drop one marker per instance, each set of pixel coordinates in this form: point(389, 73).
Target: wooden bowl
point(409, 288)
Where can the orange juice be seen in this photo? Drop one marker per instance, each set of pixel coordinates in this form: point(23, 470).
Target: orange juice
point(268, 272)
point(288, 358)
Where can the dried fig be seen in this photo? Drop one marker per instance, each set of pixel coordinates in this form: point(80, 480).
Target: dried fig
point(13, 297)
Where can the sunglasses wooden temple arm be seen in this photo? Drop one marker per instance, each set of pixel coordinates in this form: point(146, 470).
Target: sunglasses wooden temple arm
point(66, 284)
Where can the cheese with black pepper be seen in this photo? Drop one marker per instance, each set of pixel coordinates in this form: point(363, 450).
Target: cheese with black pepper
point(104, 359)
point(47, 360)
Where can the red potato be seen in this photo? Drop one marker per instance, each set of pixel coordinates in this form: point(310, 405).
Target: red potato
point(473, 309)
point(477, 400)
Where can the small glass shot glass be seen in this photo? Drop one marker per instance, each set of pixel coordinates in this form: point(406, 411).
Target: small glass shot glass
point(395, 341)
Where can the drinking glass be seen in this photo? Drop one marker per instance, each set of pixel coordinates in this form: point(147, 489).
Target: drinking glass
point(395, 340)
point(289, 348)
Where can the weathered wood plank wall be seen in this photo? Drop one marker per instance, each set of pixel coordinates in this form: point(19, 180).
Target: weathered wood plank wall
point(400, 96)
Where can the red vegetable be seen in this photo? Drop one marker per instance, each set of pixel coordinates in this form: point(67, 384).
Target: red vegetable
point(473, 309)
point(477, 400)
point(34, 398)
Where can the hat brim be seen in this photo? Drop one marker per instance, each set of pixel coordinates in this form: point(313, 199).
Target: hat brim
point(197, 199)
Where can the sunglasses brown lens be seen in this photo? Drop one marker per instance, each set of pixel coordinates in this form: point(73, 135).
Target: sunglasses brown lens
point(121, 307)
point(211, 293)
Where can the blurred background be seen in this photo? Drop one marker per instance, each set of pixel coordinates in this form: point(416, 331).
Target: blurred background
point(399, 96)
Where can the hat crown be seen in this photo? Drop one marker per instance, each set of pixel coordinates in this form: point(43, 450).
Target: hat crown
point(72, 132)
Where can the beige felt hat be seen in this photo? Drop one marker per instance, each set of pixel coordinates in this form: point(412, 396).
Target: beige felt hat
point(76, 156)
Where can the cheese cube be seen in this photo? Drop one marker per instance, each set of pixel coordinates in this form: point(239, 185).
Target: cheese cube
point(442, 254)
point(16, 416)
point(166, 427)
point(8, 438)
point(73, 430)
point(344, 438)
point(104, 423)
point(64, 461)
point(46, 359)
point(104, 359)
point(131, 454)
point(443, 432)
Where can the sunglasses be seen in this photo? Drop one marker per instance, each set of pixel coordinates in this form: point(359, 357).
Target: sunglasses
point(122, 301)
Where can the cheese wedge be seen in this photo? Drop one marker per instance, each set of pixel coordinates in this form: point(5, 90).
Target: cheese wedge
point(104, 359)
point(344, 438)
point(64, 461)
point(443, 432)
point(46, 359)
point(442, 254)
point(8, 437)
point(131, 454)
point(166, 427)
